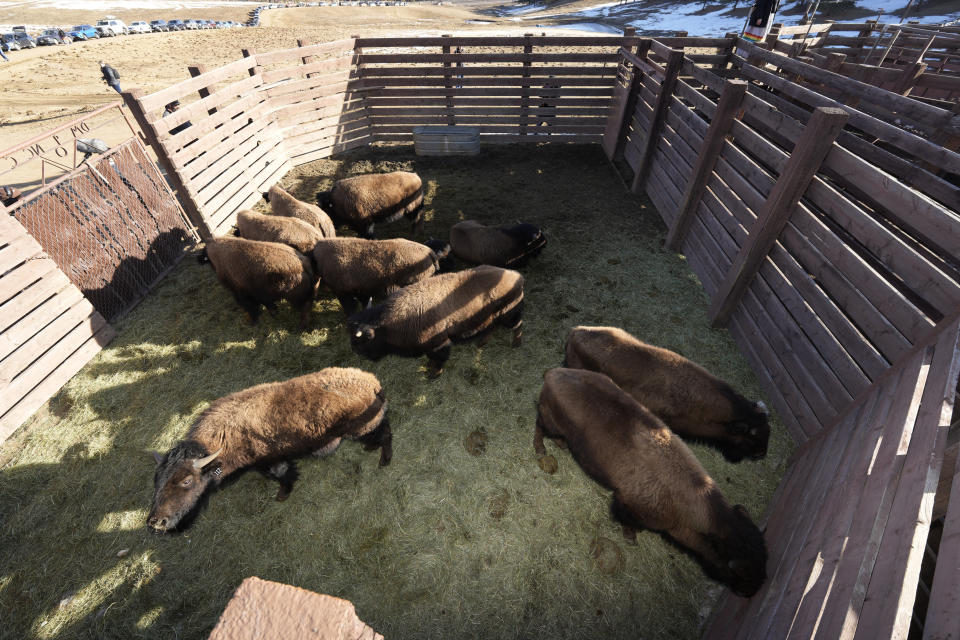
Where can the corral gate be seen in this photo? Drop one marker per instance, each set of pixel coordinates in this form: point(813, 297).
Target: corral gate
point(82, 248)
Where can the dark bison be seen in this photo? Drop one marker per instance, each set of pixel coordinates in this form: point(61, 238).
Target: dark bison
point(694, 403)
point(426, 317)
point(657, 482)
point(363, 201)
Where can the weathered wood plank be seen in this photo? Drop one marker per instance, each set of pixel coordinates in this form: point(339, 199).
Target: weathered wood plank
point(820, 134)
point(888, 608)
point(713, 142)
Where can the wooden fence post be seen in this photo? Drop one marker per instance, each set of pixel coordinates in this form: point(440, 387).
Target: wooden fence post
point(727, 107)
point(525, 99)
point(250, 53)
point(448, 82)
point(621, 111)
point(196, 70)
point(305, 59)
point(187, 196)
point(822, 129)
point(672, 70)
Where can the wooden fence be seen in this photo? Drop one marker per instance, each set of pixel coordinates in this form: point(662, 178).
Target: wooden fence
point(922, 61)
point(826, 237)
point(252, 120)
point(81, 248)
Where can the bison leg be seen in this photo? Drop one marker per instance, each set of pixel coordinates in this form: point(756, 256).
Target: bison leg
point(627, 519)
point(248, 304)
point(513, 320)
point(284, 472)
point(382, 438)
point(435, 361)
point(348, 303)
point(538, 434)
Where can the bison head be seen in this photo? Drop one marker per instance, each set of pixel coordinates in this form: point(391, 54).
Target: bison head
point(748, 436)
point(325, 201)
point(366, 335)
point(181, 479)
point(742, 553)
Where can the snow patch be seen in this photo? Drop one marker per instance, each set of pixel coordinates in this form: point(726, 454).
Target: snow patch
point(585, 26)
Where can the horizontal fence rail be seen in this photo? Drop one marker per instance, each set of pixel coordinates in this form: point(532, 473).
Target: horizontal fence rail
point(241, 127)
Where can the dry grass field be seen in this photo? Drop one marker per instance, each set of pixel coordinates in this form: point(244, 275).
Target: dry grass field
point(444, 542)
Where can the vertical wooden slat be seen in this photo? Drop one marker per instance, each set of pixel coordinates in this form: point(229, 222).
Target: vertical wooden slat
point(730, 100)
point(196, 70)
point(888, 607)
point(822, 129)
point(525, 100)
point(674, 62)
point(448, 83)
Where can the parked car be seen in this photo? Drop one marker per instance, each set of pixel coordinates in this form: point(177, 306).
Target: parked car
point(111, 27)
point(76, 35)
point(26, 41)
point(53, 37)
point(159, 25)
point(10, 42)
point(176, 25)
point(88, 30)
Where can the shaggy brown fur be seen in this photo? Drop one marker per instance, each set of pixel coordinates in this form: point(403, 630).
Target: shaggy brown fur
point(426, 317)
point(657, 482)
point(362, 201)
point(294, 232)
point(504, 246)
point(689, 399)
point(261, 273)
point(358, 269)
point(284, 204)
point(267, 427)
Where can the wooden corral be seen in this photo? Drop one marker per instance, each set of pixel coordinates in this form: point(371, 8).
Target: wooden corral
point(909, 59)
point(819, 212)
point(826, 241)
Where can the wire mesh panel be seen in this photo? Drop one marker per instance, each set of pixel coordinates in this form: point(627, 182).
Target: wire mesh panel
point(113, 227)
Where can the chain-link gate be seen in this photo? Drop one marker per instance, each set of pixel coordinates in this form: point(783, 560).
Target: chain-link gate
point(113, 227)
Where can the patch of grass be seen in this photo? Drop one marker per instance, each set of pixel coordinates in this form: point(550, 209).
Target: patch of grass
point(446, 541)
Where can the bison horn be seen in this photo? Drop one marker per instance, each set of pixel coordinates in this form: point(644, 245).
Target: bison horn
point(762, 407)
point(157, 457)
point(200, 463)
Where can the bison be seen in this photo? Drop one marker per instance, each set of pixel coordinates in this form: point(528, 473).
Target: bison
point(267, 427)
point(426, 317)
point(261, 273)
point(504, 246)
point(362, 201)
point(356, 269)
point(284, 204)
point(657, 482)
point(294, 232)
point(694, 403)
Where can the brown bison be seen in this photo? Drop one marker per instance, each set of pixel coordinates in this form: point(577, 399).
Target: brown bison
point(262, 273)
point(694, 403)
point(362, 201)
point(293, 232)
point(657, 482)
point(426, 317)
point(267, 427)
point(504, 246)
point(284, 204)
point(357, 269)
